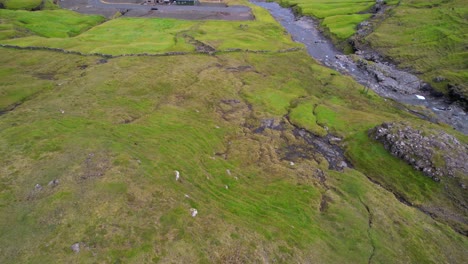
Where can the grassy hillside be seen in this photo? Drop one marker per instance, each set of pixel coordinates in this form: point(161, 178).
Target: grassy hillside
point(112, 133)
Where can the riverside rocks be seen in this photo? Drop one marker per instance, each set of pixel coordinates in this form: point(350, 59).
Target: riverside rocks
point(390, 78)
point(435, 153)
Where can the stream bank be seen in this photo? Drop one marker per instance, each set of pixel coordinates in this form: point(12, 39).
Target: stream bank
point(382, 77)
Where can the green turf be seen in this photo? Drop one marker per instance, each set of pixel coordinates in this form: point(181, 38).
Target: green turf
point(47, 23)
point(21, 4)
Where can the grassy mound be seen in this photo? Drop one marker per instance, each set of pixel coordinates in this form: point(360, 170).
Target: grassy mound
point(21, 4)
point(47, 23)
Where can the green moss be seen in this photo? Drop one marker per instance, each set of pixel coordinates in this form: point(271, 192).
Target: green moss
point(303, 116)
point(50, 23)
point(22, 4)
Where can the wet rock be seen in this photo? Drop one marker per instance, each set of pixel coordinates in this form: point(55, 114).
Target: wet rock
point(332, 153)
point(269, 123)
point(390, 78)
point(435, 153)
point(456, 93)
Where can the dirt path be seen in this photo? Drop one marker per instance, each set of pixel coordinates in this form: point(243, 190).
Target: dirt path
point(200, 12)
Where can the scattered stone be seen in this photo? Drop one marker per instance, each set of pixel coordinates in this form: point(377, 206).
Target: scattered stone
point(177, 175)
point(193, 212)
point(38, 187)
point(53, 183)
point(62, 111)
point(269, 123)
point(75, 247)
point(420, 97)
point(102, 61)
point(342, 165)
point(439, 79)
point(228, 172)
point(226, 187)
point(186, 196)
point(291, 163)
point(334, 140)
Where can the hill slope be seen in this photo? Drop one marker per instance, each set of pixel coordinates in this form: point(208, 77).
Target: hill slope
point(90, 147)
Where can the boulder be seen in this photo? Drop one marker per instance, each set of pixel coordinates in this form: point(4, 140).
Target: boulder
point(435, 153)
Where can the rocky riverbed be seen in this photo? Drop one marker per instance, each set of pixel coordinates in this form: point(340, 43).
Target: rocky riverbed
point(367, 68)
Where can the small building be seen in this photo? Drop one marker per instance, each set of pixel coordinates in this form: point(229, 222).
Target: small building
point(187, 2)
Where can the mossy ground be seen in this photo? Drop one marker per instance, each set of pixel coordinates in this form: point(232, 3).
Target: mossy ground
point(114, 131)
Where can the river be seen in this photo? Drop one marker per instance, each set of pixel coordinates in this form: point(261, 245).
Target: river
point(305, 30)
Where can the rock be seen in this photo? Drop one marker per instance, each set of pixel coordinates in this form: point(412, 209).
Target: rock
point(53, 183)
point(342, 165)
point(437, 154)
point(37, 187)
point(76, 247)
point(420, 97)
point(390, 78)
point(193, 212)
point(334, 140)
point(177, 175)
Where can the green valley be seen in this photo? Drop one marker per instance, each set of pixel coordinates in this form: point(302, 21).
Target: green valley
point(113, 132)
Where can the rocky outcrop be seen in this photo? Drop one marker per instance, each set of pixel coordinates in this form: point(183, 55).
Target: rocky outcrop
point(390, 78)
point(435, 153)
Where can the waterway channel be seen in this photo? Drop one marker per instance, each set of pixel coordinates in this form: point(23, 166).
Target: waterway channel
point(305, 30)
